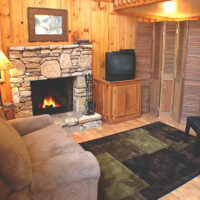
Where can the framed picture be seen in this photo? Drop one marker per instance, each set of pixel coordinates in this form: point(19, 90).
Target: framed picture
point(2, 78)
point(47, 24)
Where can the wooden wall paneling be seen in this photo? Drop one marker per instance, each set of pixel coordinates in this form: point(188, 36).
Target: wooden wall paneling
point(179, 72)
point(156, 68)
point(121, 32)
point(168, 66)
point(41, 3)
point(87, 19)
point(1, 45)
point(6, 40)
point(104, 38)
point(100, 38)
point(17, 18)
point(67, 5)
point(143, 48)
point(191, 85)
point(25, 5)
point(5, 24)
point(112, 30)
point(80, 19)
point(52, 4)
point(75, 18)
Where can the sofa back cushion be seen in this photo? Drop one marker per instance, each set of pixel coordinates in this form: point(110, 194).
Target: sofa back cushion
point(15, 164)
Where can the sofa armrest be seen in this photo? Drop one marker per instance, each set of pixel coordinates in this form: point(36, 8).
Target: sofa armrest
point(64, 169)
point(30, 124)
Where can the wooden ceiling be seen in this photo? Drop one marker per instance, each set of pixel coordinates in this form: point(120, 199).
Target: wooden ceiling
point(183, 9)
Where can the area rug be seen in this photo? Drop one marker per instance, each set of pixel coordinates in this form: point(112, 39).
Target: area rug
point(144, 163)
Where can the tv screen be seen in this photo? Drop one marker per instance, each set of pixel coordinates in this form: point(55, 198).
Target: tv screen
point(120, 65)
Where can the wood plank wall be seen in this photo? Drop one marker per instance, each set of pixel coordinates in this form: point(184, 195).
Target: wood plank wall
point(87, 19)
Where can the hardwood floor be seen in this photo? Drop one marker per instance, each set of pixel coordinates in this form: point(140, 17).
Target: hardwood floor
point(189, 191)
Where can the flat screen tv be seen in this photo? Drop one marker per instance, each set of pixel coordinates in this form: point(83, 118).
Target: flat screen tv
point(120, 65)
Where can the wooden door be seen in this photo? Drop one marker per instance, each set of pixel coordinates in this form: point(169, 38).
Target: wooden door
point(168, 67)
point(156, 67)
point(191, 84)
point(179, 71)
point(143, 49)
point(119, 101)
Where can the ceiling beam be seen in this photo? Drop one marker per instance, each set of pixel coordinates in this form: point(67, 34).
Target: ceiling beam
point(108, 1)
point(121, 4)
point(153, 17)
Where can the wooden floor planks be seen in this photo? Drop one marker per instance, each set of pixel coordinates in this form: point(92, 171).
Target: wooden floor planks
point(189, 191)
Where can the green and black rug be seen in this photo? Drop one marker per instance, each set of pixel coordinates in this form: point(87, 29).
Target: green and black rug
point(143, 163)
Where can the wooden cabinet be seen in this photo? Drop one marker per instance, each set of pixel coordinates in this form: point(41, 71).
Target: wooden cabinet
point(119, 100)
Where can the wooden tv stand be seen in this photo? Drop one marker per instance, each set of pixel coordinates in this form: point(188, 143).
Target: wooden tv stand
point(118, 100)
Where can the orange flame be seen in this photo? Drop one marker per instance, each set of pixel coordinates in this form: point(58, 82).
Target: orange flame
point(49, 101)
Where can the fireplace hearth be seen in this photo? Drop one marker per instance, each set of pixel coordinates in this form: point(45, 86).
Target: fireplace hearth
point(52, 96)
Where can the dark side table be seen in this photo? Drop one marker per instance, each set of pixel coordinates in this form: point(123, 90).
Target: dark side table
point(194, 123)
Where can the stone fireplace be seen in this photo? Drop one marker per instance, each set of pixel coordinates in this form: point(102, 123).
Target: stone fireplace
point(48, 62)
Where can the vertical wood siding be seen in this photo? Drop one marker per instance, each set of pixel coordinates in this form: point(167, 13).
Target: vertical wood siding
point(87, 20)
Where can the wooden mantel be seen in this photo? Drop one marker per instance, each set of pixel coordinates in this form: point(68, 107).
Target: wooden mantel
point(121, 4)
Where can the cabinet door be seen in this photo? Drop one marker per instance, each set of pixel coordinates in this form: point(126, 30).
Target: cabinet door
point(119, 101)
point(132, 99)
point(101, 96)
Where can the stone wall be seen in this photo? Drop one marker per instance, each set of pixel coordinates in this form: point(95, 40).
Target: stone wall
point(34, 63)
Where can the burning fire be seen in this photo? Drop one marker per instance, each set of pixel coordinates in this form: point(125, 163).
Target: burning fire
point(49, 102)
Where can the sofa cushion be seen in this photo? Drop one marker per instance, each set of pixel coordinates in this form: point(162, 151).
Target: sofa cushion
point(15, 165)
point(49, 142)
point(4, 189)
point(23, 194)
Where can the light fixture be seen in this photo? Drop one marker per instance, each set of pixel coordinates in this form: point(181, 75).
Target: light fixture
point(5, 64)
point(169, 6)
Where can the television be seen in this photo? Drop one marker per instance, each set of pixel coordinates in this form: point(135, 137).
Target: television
point(120, 65)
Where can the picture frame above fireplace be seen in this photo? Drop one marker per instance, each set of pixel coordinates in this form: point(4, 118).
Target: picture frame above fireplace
point(46, 24)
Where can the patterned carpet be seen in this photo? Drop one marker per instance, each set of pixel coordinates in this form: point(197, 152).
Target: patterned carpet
point(144, 163)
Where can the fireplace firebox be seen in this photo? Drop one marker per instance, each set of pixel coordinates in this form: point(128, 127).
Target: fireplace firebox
point(52, 96)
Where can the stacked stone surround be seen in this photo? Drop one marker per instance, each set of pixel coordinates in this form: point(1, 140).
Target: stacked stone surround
point(43, 62)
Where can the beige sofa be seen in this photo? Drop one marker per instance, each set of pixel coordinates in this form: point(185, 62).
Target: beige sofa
point(39, 161)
